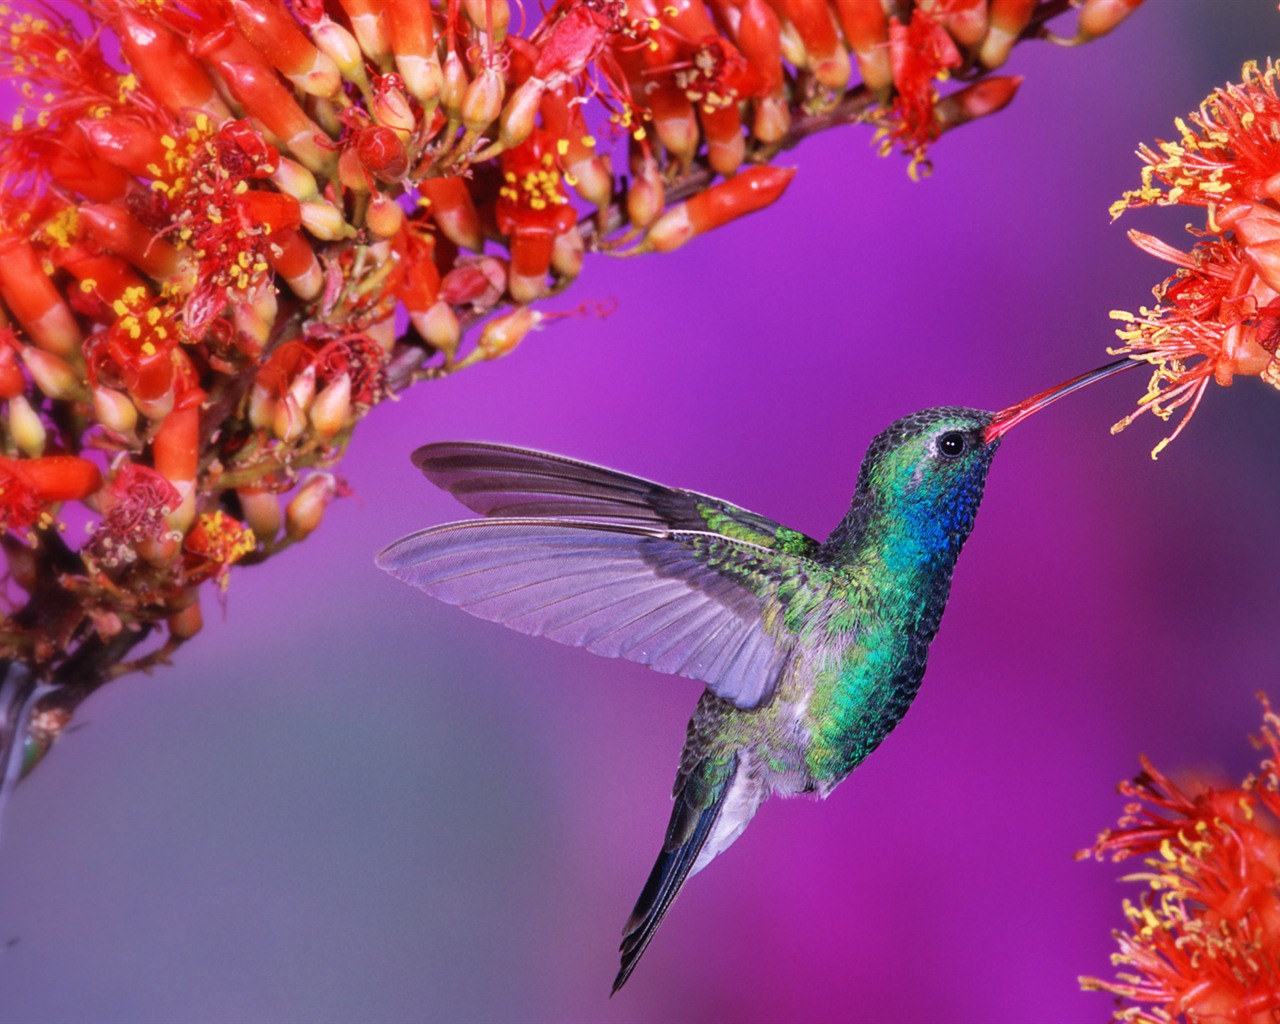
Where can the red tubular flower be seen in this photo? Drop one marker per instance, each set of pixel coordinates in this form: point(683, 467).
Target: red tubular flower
point(866, 27)
point(129, 143)
point(171, 74)
point(454, 211)
point(1006, 20)
point(1204, 944)
point(175, 451)
point(260, 93)
point(277, 37)
point(29, 486)
point(412, 37)
point(826, 56)
point(974, 101)
point(80, 172)
point(119, 232)
point(752, 190)
point(31, 297)
point(371, 28)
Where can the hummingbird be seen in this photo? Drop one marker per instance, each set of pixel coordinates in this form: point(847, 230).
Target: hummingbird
point(811, 651)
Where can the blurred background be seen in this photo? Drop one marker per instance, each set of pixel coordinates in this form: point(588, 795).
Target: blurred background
point(347, 802)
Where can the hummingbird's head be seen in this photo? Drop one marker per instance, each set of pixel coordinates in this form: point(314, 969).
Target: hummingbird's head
point(925, 474)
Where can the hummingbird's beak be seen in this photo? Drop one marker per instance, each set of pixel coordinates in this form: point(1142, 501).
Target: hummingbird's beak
point(1006, 419)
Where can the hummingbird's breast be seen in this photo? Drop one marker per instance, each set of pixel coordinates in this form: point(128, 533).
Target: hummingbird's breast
point(864, 666)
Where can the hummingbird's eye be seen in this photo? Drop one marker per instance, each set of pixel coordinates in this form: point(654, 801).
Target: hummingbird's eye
point(952, 444)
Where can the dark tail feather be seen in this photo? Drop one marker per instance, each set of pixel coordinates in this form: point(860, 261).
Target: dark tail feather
point(690, 826)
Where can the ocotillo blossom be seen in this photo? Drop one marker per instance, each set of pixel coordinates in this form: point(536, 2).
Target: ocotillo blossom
point(228, 228)
point(1203, 943)
point(1218, 315)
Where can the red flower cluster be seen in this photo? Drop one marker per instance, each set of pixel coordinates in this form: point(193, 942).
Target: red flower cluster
point(228, 228)
point(1204, 940)
point(1218, 314)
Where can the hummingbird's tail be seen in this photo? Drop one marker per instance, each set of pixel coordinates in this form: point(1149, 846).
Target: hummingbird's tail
point(699, 802)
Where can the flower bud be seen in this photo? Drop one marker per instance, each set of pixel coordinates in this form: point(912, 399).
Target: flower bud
point(255, 315)
point(384, 216)
point(566, 255)
point(454, 211)
point(324, 221)
point(645, 194)
point(262, 407)
point(115, 411)
point(293, 259)
point(290, 419)
point(303, 514)
point(753, 189)
point(291, 178)
point(290, 422)
point(331, 411)
point(439, 328)
point(1007, 20)
point(519, 116)
point(275, 34)
point(187, 622)
point(351, 171)
point(52, 374)
point(423, 77)
point(391, 109)
point(482, 102)
point(492, 17)
point(1098, 17)
point(341, 47)
point(502, 334)
point(25, 427)
point(119, 232)
point(261, 510)
point(412, 30)
point(454, 86)
point(772, 120)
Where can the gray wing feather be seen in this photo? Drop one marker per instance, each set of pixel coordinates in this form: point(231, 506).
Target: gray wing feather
point(506, 482)
point(618, 590)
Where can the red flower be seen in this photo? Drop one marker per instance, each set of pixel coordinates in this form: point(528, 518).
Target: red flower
point(921, 52)
point(214, 544)
point(533, 209)
point(134, 509)
point(1204, 940)
point(1218, 314)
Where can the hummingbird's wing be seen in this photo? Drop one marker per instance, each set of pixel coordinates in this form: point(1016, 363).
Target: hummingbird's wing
point(501, 481)
point(692, 603)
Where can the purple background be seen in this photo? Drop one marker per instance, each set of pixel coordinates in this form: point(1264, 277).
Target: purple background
point(346, 802)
